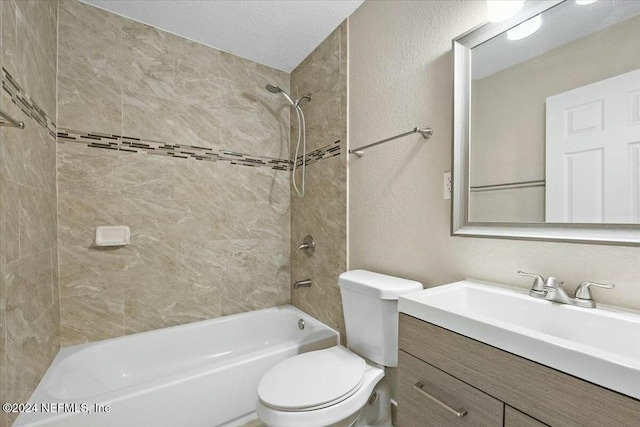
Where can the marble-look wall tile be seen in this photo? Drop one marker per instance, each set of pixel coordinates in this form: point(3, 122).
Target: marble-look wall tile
point(272, 255)
point(225, 261)
point(79, 216)
point(88, 270)
point(37, 221)
point(159, 218)
point(78, 219)
point(29, 301)
point(162, 119)
point(170, 304)
point(3, 371)
point(149, 66)
point(272, 221)
point(29, 156)
point(153, 261)
point(273, 187)
point(85, 101)
point(28, 357)
point(324, 112)
point(235, 68)
point(322, 211)
point(85, 318)
point(29, 288)
point(320, 71)
point(90, 44)
point(197, 74)
point(9, 221)
point(26, 48)
point(85, 172)
point(41, 23)
point(207, 238)
point(238, 183)
point(196, 181)
point(145, 176)
point(254, 294)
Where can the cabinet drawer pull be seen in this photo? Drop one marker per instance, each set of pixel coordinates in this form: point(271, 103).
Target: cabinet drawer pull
point(457, 412)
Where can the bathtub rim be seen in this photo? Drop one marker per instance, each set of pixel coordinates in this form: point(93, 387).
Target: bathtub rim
point(41, 394)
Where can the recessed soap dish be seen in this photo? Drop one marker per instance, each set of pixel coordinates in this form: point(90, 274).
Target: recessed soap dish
point(113, 235)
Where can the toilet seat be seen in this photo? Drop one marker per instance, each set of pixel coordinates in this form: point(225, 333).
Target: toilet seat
point(312, 380)
point(340, 414)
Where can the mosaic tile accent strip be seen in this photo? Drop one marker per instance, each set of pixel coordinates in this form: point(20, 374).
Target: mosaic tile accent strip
point(179, 151)
point(330, 150)
point(25, 103)
point(138, 145)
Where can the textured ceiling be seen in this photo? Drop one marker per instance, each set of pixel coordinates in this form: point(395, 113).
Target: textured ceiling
point(276, 33)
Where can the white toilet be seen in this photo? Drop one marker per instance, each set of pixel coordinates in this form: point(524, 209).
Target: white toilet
point(339, 386)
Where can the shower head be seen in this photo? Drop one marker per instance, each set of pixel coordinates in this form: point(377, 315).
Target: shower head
point(273, 89)
point(276, 89)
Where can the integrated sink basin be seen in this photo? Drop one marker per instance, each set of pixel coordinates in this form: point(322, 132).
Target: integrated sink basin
point(596, 344)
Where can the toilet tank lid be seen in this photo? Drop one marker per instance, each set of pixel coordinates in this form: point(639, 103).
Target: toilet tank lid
point(377, 285)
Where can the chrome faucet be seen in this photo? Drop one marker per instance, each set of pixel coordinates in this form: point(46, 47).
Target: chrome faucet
point(554, 291)
point(551, 289)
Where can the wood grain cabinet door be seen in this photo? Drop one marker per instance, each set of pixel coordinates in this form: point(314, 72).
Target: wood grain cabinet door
point(515, 418)
point(428, 397)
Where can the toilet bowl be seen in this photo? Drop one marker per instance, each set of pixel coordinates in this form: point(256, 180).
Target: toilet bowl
point(341, 386)
point(322, 388)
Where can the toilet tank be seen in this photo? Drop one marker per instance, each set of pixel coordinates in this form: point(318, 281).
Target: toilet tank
point(370, 304)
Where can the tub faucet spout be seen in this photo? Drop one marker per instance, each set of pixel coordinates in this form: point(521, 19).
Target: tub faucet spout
point(302, 284)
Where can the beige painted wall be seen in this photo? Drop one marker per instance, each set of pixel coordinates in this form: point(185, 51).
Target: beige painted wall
point(508, 110)
point(208, 238)
point(322, 211)
point(29, 298)
point(400, 76)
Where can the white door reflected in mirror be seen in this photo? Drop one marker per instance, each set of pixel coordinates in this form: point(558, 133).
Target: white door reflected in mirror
point(592, 152)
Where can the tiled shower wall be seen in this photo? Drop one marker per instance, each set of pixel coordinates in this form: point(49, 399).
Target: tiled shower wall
point(208, 238)
point(322, 211)
point(29, 301)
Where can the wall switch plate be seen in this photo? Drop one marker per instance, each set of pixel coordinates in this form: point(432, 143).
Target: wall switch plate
point(447, 185)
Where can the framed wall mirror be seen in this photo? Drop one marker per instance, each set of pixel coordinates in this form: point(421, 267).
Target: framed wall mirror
point(547, 124)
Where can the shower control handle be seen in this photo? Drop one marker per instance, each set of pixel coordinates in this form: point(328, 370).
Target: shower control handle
point(308, 246)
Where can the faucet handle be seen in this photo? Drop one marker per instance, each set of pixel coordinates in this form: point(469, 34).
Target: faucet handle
point(308, 246)
point(584, 289)
point(302, 246)
point(538, 283)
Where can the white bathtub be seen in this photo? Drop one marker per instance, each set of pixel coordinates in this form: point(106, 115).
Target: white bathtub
point(202, 374)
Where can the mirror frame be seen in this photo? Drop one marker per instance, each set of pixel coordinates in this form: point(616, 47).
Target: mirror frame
point(613, 234)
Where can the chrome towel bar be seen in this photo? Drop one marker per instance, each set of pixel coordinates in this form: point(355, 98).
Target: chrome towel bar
point(7, 120)
point(507, 186)
point(426, 134)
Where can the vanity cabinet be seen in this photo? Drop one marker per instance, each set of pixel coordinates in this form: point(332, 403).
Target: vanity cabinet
point(495, 387)
point(421, 388)
point(515, 418)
